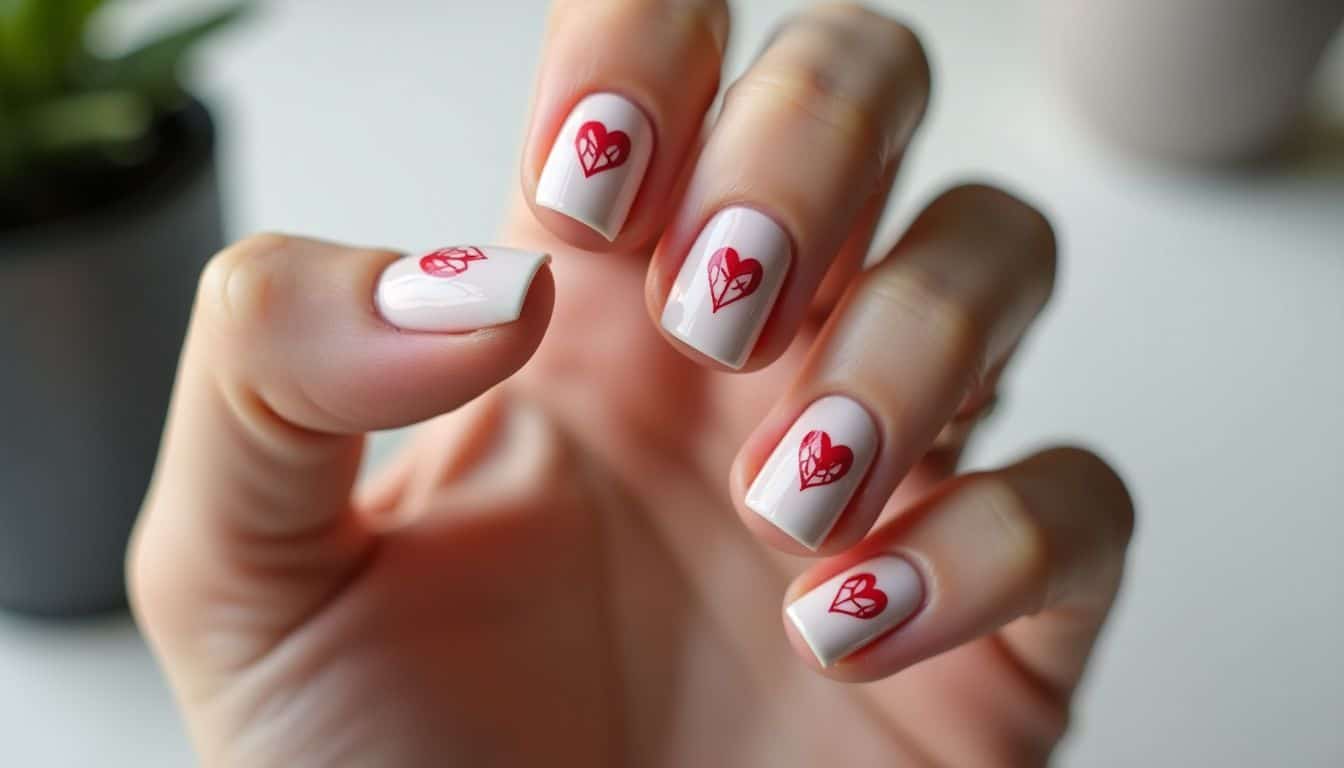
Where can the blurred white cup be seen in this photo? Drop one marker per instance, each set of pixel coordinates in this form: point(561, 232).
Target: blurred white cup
point(1201, 80)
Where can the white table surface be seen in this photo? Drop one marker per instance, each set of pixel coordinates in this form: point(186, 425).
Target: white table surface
point(1197, 339)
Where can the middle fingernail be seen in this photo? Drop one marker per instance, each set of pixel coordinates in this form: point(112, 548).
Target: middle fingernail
point(815, 470)
point(728, 285)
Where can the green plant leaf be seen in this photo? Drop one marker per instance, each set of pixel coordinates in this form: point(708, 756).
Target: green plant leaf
point(66, 23)
point(153, 67)
point(38, 40)
point(26, 60)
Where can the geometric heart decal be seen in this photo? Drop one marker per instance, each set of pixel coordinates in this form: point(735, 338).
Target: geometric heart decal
point(731, 278)
point(599, 149)
point(819, 462)
point(859, 597)
point(450, 262)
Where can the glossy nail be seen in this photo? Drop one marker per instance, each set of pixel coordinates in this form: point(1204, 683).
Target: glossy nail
point(457, 289)
point(597, 163)
point(813, 472)
point(728, 285)
point(852, 609)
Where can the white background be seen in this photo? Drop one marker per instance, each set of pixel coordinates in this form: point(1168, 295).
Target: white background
point(1196, 340)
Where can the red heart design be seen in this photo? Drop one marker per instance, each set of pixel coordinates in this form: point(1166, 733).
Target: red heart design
point(819, 462)
point(731, 278)
point(450, 262)
point(859, 597)
point(599, 149)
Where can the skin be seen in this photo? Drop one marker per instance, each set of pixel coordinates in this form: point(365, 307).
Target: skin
point(556, 570)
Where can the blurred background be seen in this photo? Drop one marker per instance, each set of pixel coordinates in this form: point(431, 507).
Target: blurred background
point(1197, 337)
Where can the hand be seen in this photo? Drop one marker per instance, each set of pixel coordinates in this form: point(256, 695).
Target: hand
point(578, 563)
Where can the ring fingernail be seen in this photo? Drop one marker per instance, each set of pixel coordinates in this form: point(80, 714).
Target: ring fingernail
point(597, 163)
point(728, 285)
point(457, 289)
point(852, 609)
point(814, 471)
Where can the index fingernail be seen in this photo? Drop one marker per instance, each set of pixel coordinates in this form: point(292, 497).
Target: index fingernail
point(457, 289)
point(597, 163)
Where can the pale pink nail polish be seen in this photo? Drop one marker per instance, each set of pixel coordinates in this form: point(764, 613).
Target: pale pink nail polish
point(852, 609)
point(728, 285)
point(457, 289)
point(597, 163)
point(813, 472)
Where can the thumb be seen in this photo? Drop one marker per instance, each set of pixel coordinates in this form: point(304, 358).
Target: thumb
point(297, 348)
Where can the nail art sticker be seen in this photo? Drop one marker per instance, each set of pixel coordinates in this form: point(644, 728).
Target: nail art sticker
point(857, 607)
point(815, 469)
point(859, 597)
point(727, 286)
point(597, 163)
point(819, 462)
point(732, 278)
point(457, 289)
point(599, 149)
point(450, 262)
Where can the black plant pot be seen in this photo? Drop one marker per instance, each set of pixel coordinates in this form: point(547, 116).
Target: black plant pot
point(93, 308)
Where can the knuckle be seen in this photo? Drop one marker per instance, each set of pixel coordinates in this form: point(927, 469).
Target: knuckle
point(1024, 229)
point(896, 42)
point(922, 297)
point(1116, 505)
point(810, 89)
point(688, 32)
point(236, 287)
point(889, 47)
point(882, 29)
point(1021, 538)
point(851, 69)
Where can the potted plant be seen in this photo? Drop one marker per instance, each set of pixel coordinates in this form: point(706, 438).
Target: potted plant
point(108, 210)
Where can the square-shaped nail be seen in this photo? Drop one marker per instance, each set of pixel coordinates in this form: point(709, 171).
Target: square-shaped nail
point(852, 609)
point(728, 285)
point(813, 472)
point(457, 289)
point(597, 163)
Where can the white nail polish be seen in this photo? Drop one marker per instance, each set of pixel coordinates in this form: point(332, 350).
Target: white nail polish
point(850, 610)
point(597, 163)
point(813, 472)
point(457, 289)
point(728, 285)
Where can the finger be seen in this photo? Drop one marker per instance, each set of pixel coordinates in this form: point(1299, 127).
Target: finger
point(621, 95)
point(297, 348)
point(801, 156)
point(1046, 535)
point(854, 252)
point(889, 370)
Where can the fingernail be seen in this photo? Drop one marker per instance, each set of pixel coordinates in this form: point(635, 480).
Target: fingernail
point(597, 163)
point(852, 609)
point(728, 285)
point(813, 472)
point(457, 289)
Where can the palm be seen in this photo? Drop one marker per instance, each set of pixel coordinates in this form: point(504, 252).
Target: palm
point(576, 588)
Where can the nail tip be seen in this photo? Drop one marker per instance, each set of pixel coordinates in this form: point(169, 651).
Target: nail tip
point(735, 364)
point(800, 627)
point(558, 207)
point(811, 546)
point(540, 259)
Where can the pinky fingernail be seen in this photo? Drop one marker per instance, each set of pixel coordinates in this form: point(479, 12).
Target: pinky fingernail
point(856, 607)
point(457, 289)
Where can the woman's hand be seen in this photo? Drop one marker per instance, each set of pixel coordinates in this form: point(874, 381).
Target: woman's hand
point(583, 562)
